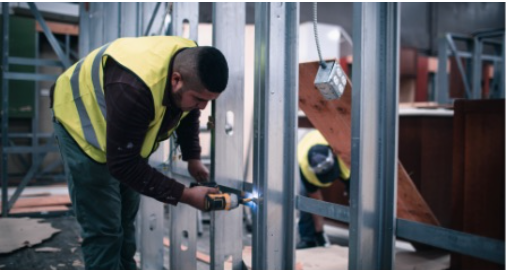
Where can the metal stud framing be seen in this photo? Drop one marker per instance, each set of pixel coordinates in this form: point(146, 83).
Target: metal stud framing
point(374, 135)
point(371, 215)
point(182, 235)
point(442, 95)
point(51, 38)
point(183, 218)
point(185, 13)
point(150, 225)
point(276, 77)
point(37, 151)
point(111, 29)
point(226, 226)
point(129, 20)
point(471, 75)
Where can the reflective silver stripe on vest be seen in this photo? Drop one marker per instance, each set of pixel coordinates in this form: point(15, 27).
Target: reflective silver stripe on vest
point(99, 94)
point(86, 124)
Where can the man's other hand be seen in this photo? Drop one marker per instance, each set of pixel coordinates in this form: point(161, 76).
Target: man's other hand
point(196, 196)
point(198, 171)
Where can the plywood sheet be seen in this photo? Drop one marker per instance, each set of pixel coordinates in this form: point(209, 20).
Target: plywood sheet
point(38, 209)
point(333, 120)
point(42, 201)
point(478, 188)
point(23, 232)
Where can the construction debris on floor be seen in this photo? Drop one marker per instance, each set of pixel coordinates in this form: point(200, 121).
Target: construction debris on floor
point(27, 243)
point(55, 244)
point(23, 232)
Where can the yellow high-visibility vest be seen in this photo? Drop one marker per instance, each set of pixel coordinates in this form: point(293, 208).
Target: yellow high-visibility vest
point(79, 103)
point(307, 142)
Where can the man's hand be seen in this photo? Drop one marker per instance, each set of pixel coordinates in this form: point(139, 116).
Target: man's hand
point(198, 171)
point(196, 196)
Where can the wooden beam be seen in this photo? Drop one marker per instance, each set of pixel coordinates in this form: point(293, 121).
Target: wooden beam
point(60, 28)
point(333, 120)
point(37, 209)
point(41, 204)
point(421, 90)
point(53, 200)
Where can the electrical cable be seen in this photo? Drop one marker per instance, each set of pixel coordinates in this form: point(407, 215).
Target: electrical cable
point(321, 62)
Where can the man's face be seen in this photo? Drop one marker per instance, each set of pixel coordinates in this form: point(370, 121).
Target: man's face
point(190, 95)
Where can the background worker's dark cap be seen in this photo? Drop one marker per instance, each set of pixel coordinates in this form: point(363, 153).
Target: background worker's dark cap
point(328, 171)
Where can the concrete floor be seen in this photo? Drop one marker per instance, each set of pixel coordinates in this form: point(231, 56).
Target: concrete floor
point(67, 240)
point(70, 256)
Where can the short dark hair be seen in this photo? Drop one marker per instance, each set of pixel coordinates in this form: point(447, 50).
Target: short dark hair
point(212, 69)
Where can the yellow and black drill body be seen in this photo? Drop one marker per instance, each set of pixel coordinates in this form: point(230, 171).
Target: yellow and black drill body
point(227, 199)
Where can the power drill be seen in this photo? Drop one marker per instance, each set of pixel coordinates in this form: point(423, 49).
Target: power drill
point(228, 199)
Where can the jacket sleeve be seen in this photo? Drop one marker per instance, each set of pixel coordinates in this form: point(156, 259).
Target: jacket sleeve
point(188, 136)
point(129, 111)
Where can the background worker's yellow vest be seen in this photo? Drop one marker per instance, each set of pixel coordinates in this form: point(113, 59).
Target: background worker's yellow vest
point(309, 140)
point(79, 103)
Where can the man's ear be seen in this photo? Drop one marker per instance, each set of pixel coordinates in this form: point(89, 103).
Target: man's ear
point(175, 78)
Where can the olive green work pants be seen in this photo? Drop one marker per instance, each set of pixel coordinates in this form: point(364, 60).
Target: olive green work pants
point(104, 207)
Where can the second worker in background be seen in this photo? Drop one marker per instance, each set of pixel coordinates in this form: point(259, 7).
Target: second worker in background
point(319, 167)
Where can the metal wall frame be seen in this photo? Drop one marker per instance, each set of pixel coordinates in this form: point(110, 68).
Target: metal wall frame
point(183, 218)
point(373, 224)
point(455, 241)
point(275, 127)
point(475, 56)
point(374, 135)
point(372, 215)
point(37, 151)
point(374, 141)
point(226, 230)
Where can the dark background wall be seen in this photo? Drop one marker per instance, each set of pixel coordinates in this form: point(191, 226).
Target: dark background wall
point(421, 23)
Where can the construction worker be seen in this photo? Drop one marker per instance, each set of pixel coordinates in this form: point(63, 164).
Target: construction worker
point(110, 111)
point(319, 167)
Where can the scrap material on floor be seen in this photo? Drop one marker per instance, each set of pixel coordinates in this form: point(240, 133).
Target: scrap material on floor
point(23, 232)
point(62, 251)
point(60, 248)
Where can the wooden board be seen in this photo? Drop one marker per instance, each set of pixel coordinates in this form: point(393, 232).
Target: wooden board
point(43, 203)
point(59, 28)
point(53, 200)
point(40, 209)
point(425, 149)
point(478, 199)
point(333, 120)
